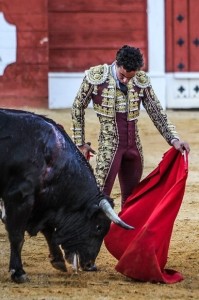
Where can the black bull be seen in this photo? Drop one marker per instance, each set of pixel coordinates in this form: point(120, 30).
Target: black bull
point(47, 186)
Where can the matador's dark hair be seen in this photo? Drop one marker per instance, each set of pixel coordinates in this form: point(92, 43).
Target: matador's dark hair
point(130, 58)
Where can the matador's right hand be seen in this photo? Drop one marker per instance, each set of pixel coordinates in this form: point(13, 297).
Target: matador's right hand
point(86, 150)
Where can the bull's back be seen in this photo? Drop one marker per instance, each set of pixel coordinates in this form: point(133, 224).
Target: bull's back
point(21, 147)
point(19, 137)
point(35, 147)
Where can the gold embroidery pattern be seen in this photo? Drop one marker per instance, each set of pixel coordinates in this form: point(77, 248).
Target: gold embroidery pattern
point(104, 111)
point(120, 102)
point(77, 112)
point(141, 79)
point(132, 115)
point(159, 118)
point(108, 141)
point(138, 143)
point(98, 74)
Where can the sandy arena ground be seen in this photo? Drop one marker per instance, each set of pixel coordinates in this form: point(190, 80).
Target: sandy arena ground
point(47, 283)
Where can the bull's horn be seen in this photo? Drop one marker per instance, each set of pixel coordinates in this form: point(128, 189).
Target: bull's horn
point(110, 213)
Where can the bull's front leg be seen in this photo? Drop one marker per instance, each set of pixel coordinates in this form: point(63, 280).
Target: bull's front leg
point(15, 267)
point(17, 215)
point(56, 256)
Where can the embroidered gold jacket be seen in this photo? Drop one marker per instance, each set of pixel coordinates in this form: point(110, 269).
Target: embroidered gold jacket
point(99, 86)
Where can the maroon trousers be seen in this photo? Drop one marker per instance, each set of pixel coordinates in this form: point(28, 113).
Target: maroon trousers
point(127, 163)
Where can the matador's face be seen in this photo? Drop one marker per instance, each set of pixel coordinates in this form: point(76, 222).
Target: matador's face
point(122, 75)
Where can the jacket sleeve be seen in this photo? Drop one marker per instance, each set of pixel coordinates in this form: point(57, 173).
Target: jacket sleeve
point(158, 116)
point(78, 112)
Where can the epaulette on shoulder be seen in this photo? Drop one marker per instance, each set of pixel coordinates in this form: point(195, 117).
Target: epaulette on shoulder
point(141, 79)
point(97, 74)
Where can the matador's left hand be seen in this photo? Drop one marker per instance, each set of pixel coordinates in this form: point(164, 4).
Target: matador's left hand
point(181, 146)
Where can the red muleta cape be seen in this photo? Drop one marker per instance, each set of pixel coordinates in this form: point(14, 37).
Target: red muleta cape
point(152, 209)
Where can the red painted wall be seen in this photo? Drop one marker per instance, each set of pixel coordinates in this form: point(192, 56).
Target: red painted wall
point(83, 33)
point(25, 83)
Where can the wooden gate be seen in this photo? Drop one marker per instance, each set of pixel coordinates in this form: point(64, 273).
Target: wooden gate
point(182, 53)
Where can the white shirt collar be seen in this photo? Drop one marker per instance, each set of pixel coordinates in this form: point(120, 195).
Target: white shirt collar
point(113, 69)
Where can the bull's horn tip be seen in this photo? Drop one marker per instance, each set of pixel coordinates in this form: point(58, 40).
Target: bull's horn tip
point(130, 227)
point(126, 226)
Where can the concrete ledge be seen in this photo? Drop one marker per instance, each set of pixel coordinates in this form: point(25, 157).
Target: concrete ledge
point(62, 89)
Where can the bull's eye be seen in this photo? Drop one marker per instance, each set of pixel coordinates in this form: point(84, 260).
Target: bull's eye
point(98, 228)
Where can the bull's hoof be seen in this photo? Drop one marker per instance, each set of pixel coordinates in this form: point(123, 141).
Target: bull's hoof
point(90, 267)
point(20, 279)
point(59, 265)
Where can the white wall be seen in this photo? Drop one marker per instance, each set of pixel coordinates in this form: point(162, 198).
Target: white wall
point(156, 47)
point(63, 88)
point(8, 47)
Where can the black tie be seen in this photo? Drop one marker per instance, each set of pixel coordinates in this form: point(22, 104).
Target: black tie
point(123, 88)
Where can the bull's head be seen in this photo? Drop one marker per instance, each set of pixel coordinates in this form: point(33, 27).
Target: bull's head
point(84, 236)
